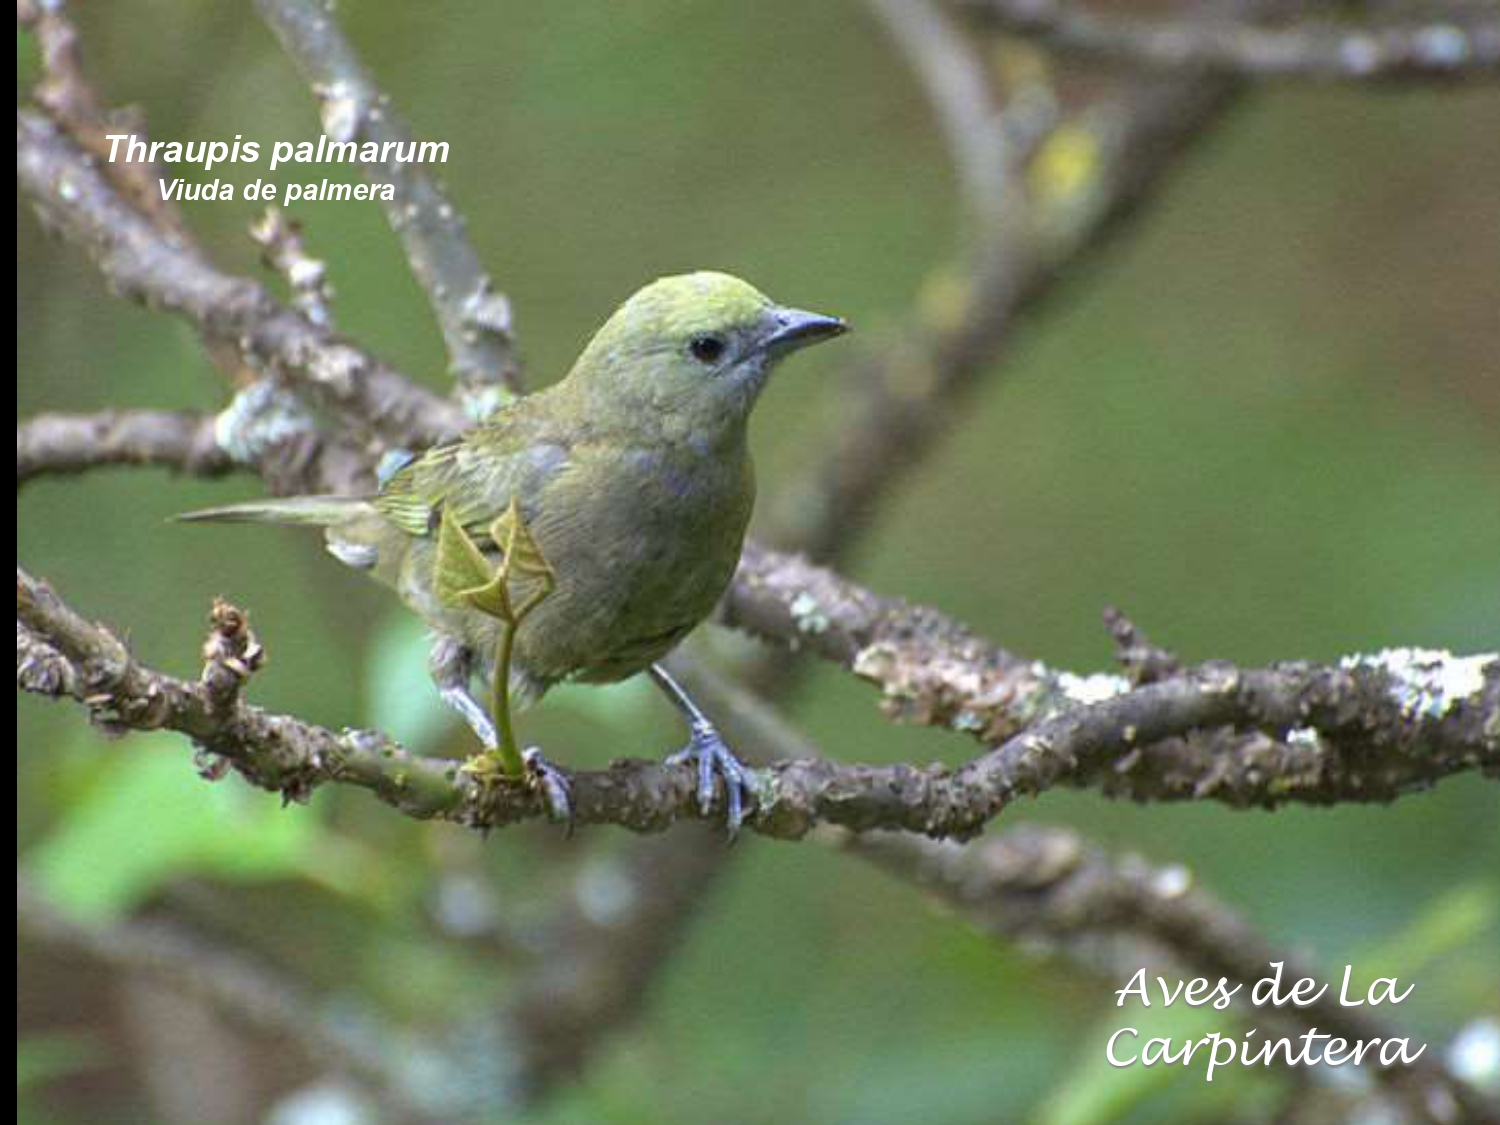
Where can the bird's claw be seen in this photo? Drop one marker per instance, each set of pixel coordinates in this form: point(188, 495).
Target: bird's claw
point(552, 783)
point(715, 760)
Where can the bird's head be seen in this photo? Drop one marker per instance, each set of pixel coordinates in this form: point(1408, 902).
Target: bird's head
point(697, 346)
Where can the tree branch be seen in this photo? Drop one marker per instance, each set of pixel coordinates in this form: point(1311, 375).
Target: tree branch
point(1371, 729)
point(74, 443)
point(69, 99)
point(72, 197)
point(932, 670)
point(1171, 740)
point(959, 89)
point(256, 432)
point(280, 240)
point(1434, 50)
point(1048, 887)
point(1294, 732)
point(475, 318)
point(902, 394)
point(329, 1034)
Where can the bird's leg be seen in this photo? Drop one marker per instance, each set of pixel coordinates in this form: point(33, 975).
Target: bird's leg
point(451, 665)
point(708, 749)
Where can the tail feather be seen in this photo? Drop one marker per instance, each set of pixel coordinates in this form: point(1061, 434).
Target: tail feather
point(309, 511)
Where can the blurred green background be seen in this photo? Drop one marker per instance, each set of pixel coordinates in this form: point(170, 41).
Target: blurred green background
point(1265, 424)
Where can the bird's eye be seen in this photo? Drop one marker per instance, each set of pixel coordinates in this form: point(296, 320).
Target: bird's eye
point(707, 348)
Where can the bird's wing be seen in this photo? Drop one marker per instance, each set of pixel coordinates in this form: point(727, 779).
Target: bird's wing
point(474, 478)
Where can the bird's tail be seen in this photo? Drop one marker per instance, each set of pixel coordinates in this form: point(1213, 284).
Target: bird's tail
point(308, 511)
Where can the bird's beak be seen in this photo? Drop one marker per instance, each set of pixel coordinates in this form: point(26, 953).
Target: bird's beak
point(796, 328)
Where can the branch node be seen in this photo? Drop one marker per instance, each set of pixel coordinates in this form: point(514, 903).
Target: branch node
point(1144, 662)
point(260, 417)
point(40, 668)
point(231, 655)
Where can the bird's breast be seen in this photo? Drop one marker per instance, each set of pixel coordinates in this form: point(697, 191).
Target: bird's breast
point(644, 544)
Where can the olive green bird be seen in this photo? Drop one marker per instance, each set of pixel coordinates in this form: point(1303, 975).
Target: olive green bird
point(634, 476)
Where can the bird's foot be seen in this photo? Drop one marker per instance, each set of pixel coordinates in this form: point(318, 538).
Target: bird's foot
point(715, 760)
point(552, 783)
point(488, 769)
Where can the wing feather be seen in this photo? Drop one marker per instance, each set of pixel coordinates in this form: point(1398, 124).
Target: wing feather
point(475, 477)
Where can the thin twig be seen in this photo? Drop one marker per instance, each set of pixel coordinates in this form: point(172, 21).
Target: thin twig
point(280, 238)
point(68, 97)
point(900, 397)
point(959, 90)
point(1435, 49)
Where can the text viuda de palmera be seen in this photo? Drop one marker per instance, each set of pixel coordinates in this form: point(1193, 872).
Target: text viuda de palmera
point(129, 148)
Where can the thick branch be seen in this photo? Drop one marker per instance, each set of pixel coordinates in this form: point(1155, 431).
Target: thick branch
point(58, 652)
point(290, 455)
point(1384, 726)
point(1435, 50)
point(1295, 732)
point(475, 318)
point(163, 271)
point(1369, 729)
point(931, 669)
point(1048, 887)
point(73, 443)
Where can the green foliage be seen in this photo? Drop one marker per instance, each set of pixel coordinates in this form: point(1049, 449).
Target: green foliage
point(398, 688)
point(464, 575)
point(1463, 916)
point(146, 818)
point(1093, 1092)
point(42, 1058)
